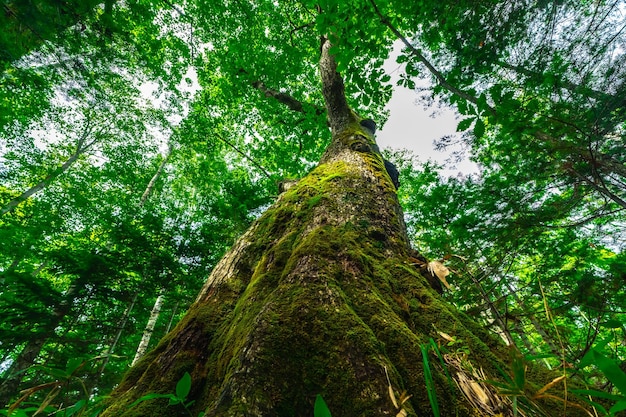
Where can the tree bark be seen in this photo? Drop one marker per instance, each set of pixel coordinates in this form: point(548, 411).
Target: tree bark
point(318, 297)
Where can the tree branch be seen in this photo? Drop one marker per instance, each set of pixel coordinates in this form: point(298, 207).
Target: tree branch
point(602, 190)
point(288, 100)
point(416, 53)
point(283, 98)
point(338, 112)
point(240, 152)
point(81, 148)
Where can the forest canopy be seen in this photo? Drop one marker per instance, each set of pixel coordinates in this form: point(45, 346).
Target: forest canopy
point(139, 139)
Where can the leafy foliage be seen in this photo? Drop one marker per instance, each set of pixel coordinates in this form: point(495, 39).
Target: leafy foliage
point(120, 181)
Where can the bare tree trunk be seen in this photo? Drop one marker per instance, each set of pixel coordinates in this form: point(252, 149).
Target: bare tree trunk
point(147, 333)
point(504, 331)
point(118, 334)
point(538, 327)
point(150, 187)
point(112, 344)
point(156, 309)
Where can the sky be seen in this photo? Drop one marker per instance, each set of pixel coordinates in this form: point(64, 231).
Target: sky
point(415, 125)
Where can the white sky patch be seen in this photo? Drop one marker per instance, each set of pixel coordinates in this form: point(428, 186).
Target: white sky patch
point(413, 126)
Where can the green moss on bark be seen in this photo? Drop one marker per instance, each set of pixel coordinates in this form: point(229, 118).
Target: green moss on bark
point(318, 297)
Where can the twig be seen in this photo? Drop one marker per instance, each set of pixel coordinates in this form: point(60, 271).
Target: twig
point(249, 158)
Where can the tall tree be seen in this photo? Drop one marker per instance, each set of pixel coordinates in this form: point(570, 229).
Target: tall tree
point(255, 122)
point(318, 297)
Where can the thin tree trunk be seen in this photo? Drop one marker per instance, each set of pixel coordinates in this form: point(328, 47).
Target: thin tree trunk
point(112, 344)
point(150, 187)
point(169, 324)
point(518, 329)
point(15, 374)
point(504, 331)
point(124, 320)
point(537, 326)
point(82, 146)
point(147, 333)
point(118, 334)
point(156, 309)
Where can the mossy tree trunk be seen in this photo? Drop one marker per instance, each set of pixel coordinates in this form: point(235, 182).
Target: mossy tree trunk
point(319, 296)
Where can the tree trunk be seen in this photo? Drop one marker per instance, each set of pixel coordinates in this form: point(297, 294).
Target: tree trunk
point(147, 333)
point(319, 297)
point(156, 309)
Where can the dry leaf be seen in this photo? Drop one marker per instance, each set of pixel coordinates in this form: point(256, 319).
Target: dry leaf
point(440, 271)
point(393, 397)
point(480, 393)
point(402, 413)
point(550, 385)
point(446, 336)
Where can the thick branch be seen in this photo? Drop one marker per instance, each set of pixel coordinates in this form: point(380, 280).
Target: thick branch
point(283, 98)
point(339, 113)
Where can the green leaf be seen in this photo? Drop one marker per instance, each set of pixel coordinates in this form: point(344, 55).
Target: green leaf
point(461, 105)
point(518, 366)
point(320, 409)
point(612, 324)
point(611, 370)
point(599, 394)
point(73, 364)
point(55, 372)
point(183, 386)
point(430, 385)
point(464, 124)
point(75, 408)
point(595, 404)
point(496, 92)
point(479, 128)
point(151, 396)
point(620, 406)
